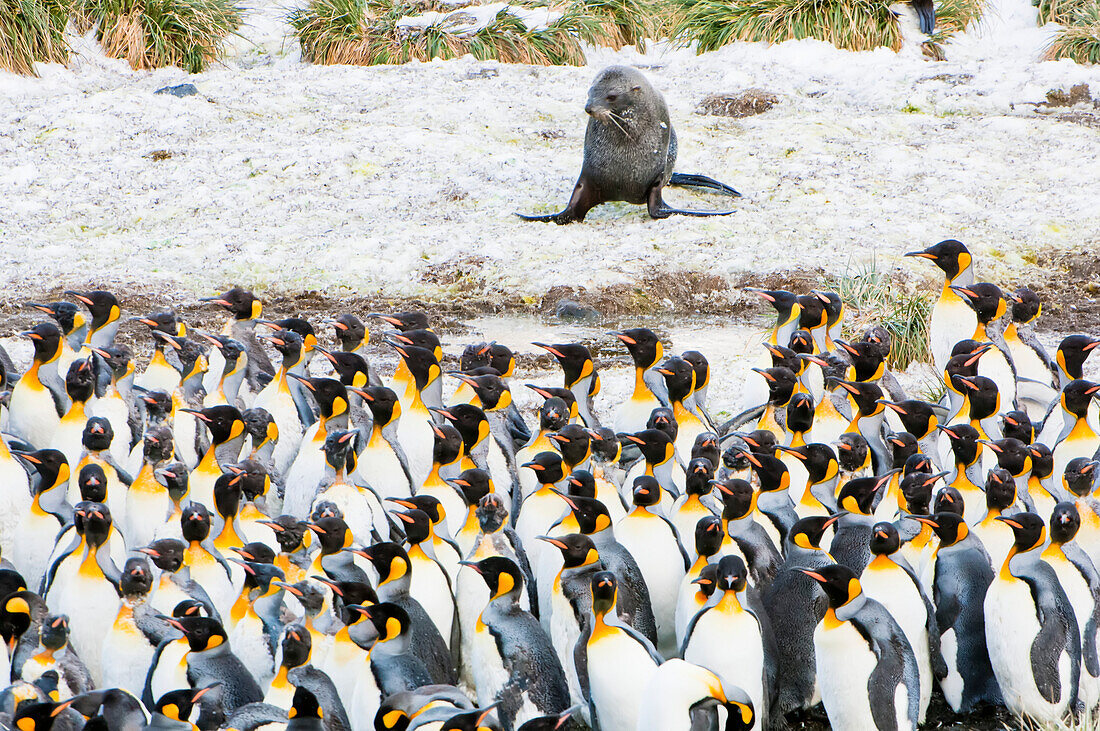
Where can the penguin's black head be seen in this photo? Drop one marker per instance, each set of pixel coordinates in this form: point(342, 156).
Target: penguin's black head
point(708, 536)
point(605, 445)
point(195, 522)
point(190, 608)
point(949, 500)
point(241, 303)
point(46, 338)
point(1077, 395)
point(819, 460)
point(157, 404)
point(732, 574)
point(419, 338)
point(760, 441)
point(785, 303)
point(97, 434)
point(1080, 476)
point(501, 575)
point(800, 413)
point(738, 498)
point(174, 477)
point(986, 299)
point(382, 402)
point(548, 468)
point(807, 532)
point(230, 349)
point(474, 484)
point(964, 364)
point(708, 579)
point(802, 343)
point(167, 553)
point(573, 441)
point(590, 513)
point(902, 445)
point(38, 716)
point(1012, 455)
point(137, 577)
point(92, 481)
point(701, 365)
point(304, 705)
point(1042, 460)
point(549, 723)
point(574, 358)
point(838, 582)
point(1029, 530)
point(339, 443)
point(858, 495)
point(102, 306)
point(655, 445)
point(255, 551)
point(389, 620)
point(15, 614)
point(983, 395)
point(813, 312)
point(421, 362)
point(492, 391)
point(781, 382)
point(564, 394)
point(80, 380)
point(178, 705)
point(330, 394)
point(916, 490)
point(447, 445)
point(227, 495)
point(405, 321)
point(259, 578)
point(576, 549)
point(54, 632)
point(852, 451)
point(644, 346)
point(646, 491)
point(950, 528)
point(260, 426)
point(297, 644)
point(333, 534)
point(917, 463)
point(679, 378)
point(553, 414)
point(605, 589)
point(501, 359)
point(491, 513)
point(224, 422)
point(770, 471)
point(917, 417)
point(308, 594)
point(290, 345)
point(1071, 354)
point(480, 719)
point(202, 633)
point(289, 532)
point(662, 419)
point(950, 255)
point(706, 446)
point(1065, 521)
point(157, 446)
point(1017, 425)
point(118, 359)
point(885, 540)
point(255, 479)
point(700, 471)
point(51, 466)
point(581, 483)
point(469, 420)
point(352, 370)
point(866, 396)
point(430, 505)
point(1000, 489)
point(350, 331)
point(1025, 305)
point(389, 559)
point(417, 525)
point(963, 439)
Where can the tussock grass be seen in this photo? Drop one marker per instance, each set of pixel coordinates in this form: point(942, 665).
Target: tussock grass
point(873, 299)
point(365, 32)
point(155, 33)
point(855, 25)
point(1079, 40)
point(953, 16)
point(32, 31)
point(1062, 11)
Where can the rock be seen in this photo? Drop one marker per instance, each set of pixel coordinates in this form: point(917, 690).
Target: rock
point(180, 90)
point(572, 310)
point(1077, 94)
point(745, 104)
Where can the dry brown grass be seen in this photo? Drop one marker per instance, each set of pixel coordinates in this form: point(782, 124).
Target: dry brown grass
point(32, 31)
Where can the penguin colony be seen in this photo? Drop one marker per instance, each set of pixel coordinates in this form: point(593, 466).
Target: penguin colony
point(222, 542)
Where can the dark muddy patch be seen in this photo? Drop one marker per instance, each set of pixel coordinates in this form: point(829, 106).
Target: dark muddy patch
point(1068, 282)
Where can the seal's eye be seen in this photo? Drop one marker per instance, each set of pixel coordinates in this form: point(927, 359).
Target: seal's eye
point(612, 97)
point(636, 88)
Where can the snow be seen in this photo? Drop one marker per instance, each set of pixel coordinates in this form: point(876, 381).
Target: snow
point(287, 176)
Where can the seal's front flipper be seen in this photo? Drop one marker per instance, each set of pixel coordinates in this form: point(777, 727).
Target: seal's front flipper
point(584, 198)
point(701, 181)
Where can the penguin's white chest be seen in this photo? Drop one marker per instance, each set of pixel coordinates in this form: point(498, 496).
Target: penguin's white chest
point(382, 469)
point(952, 321)
point(844, 666)
point(430, 587)
point(489, 673)
point(1010, 629)
point(728, 643)
point(32, 414)
point(619, 671)
point(651, 542)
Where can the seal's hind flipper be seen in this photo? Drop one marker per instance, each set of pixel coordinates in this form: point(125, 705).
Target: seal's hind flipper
point(559, 218)
point(665, 211)
point(701, 181)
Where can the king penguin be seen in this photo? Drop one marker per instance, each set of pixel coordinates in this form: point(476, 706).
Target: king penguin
point(952, 320)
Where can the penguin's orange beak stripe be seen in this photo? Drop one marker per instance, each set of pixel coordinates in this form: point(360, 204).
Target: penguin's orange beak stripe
point(1009, 521)
point(813, 575)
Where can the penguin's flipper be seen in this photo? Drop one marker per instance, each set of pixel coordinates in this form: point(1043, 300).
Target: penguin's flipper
point(580, 662)
point(252, 716)
point(147, 689)
point(1058, 633)
point(736, 422)
point(124, 477)
point(897, 665)
point(693, 180)
point(75, 673)
point(321, 686)
point(517, 427)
